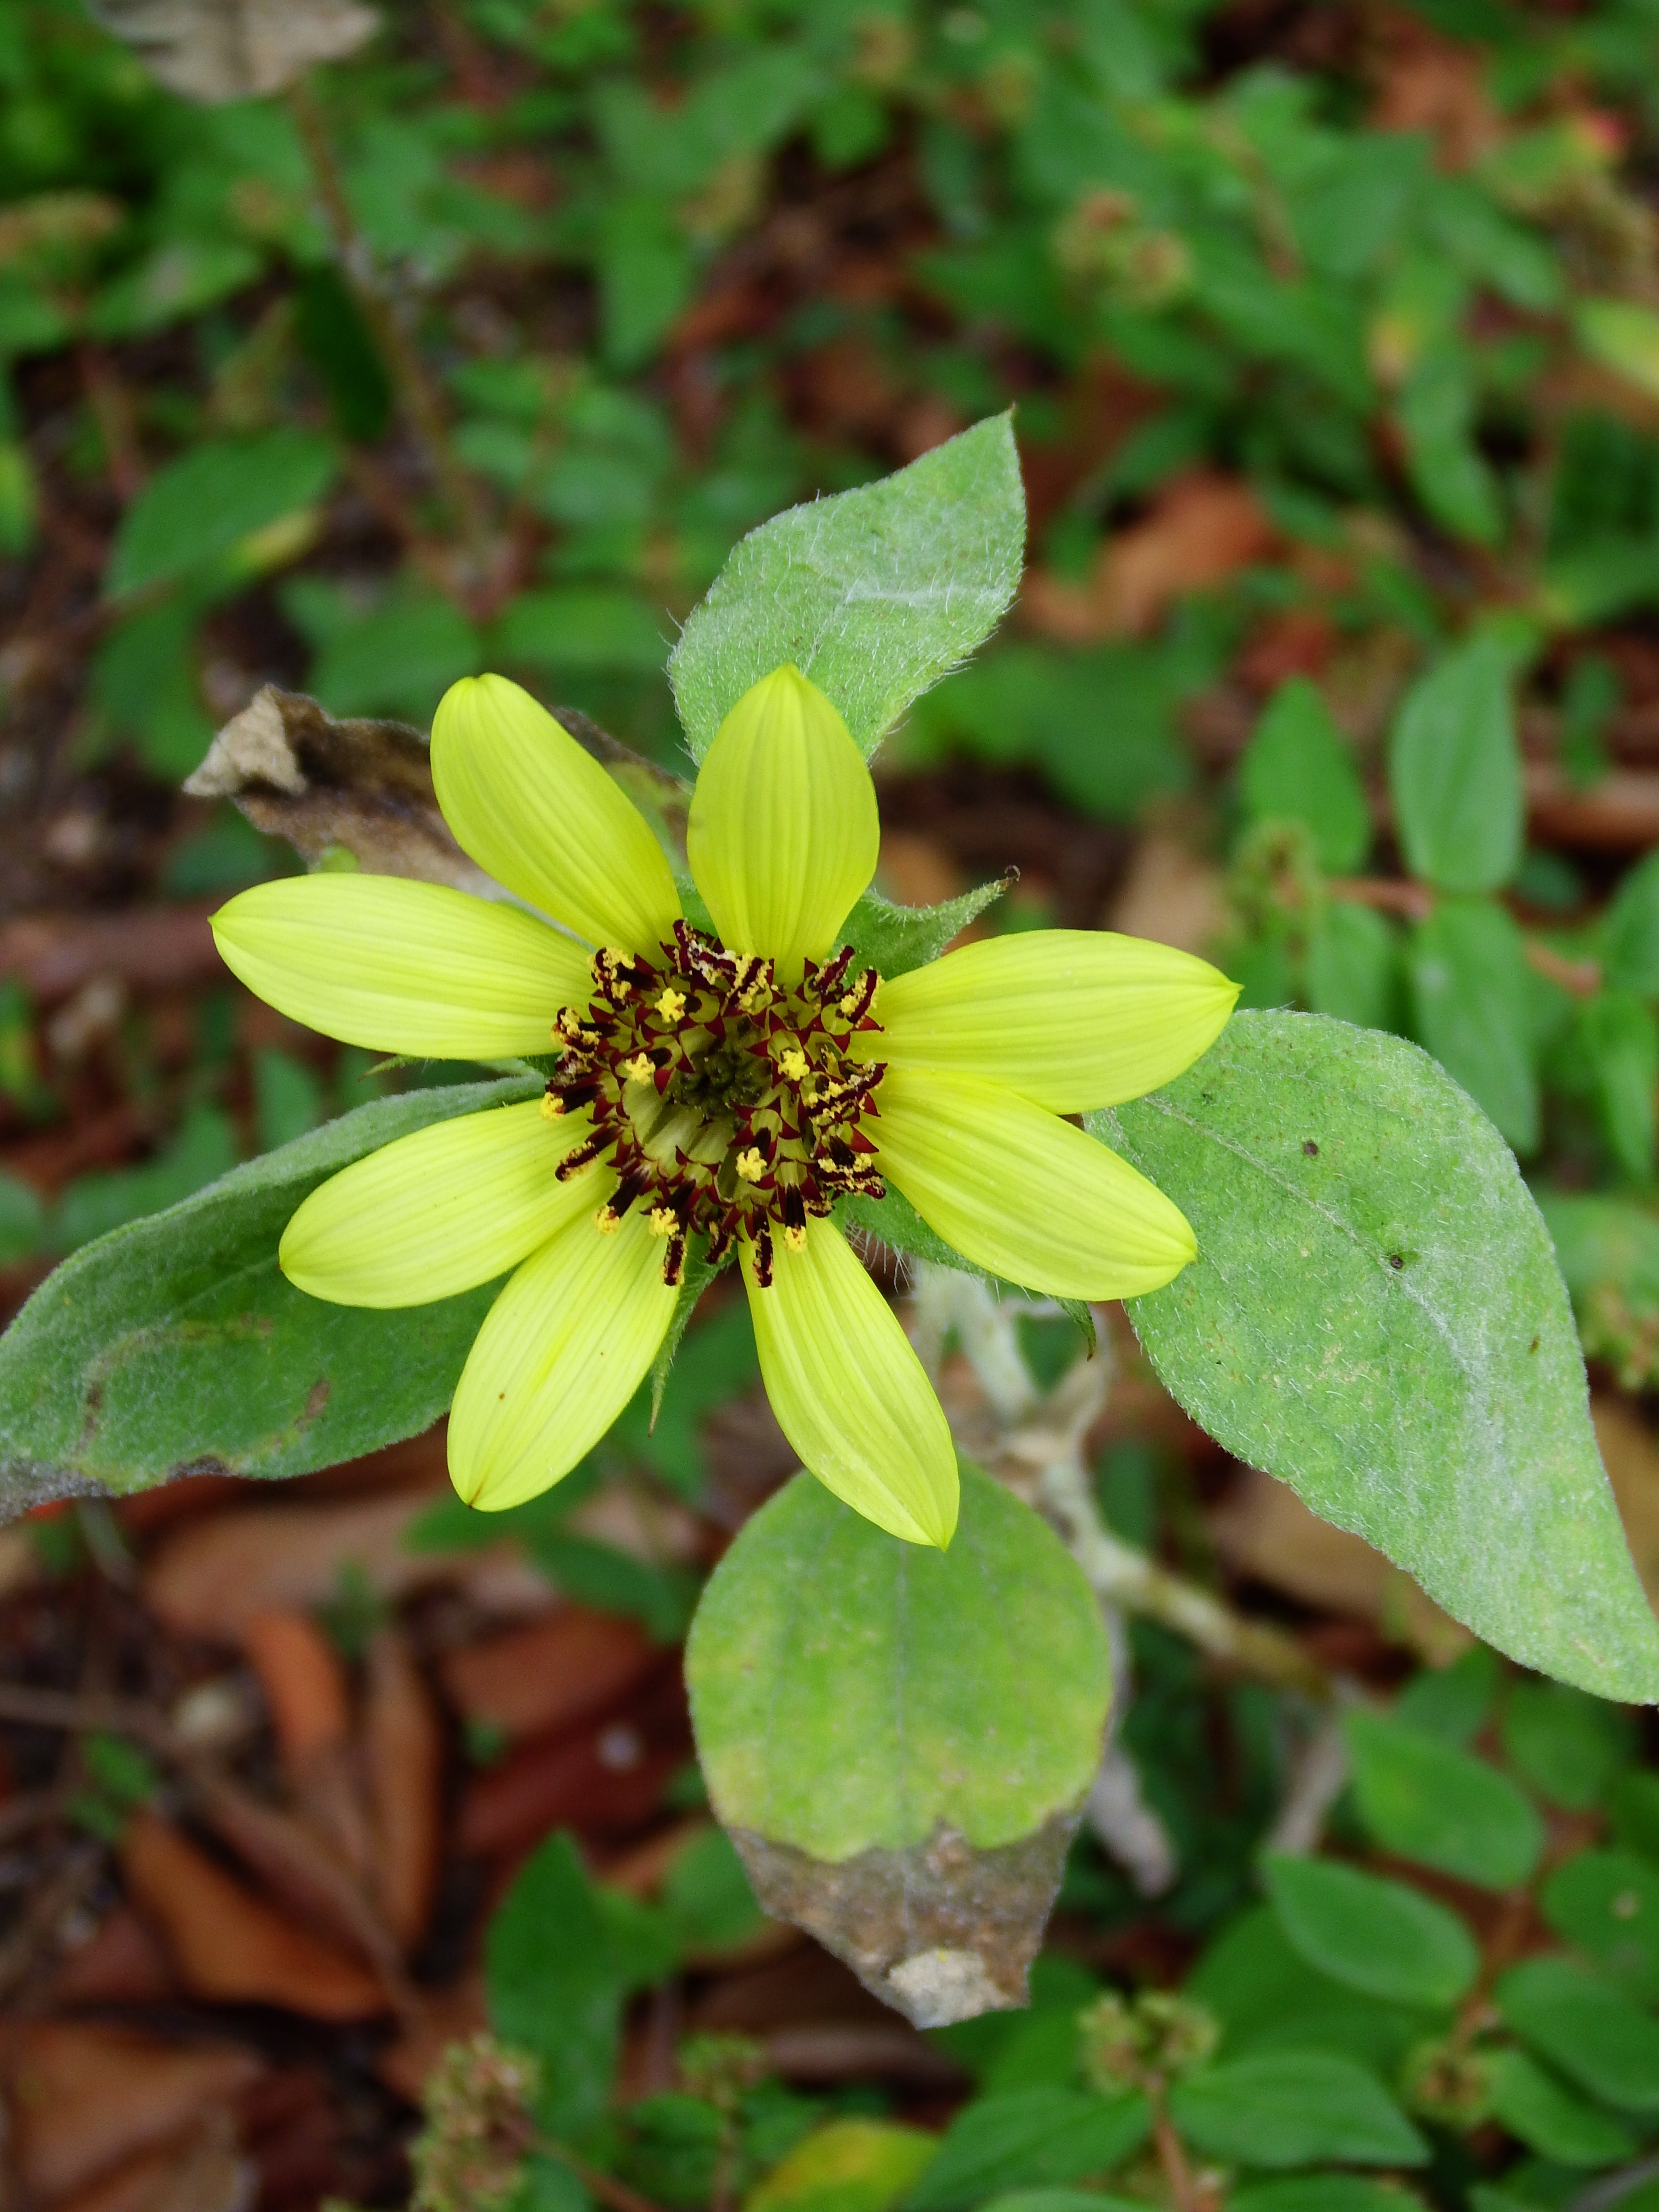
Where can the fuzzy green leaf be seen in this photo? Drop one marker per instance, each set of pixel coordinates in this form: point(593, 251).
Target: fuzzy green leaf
point(1587, 2025)
point(175, 1344)
point(1366, 1245)
point(894, 940)
point(875, 594)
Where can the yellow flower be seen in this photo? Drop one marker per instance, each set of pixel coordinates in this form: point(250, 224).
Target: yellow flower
point(729, 1087)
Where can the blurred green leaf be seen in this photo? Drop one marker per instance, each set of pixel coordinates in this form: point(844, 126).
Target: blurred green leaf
point(1606, 1903)
point(1585, 2025)
point(848, 2166)
point(1455, 772)
point(1619, 1040)
point(1353, 968)
point(1376, 1935)
point(1548, 2118)
point(1440, 1806)
point(1029, 2139)
point(1471, 1004)
point(1567, 1746)
point(201, 507)
point(1630, 931)
point(1294, 2108)
point(1297, 769)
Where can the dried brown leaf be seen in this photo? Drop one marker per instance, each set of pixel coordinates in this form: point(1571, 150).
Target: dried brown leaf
point(403, 1751)
point(229, 1945)
point(85, 2099)
point(535, 1681)
point(214, 51)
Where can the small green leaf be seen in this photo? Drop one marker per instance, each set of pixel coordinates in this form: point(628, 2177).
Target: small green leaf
point(1297, 769)
point(875, 594)
point(1470, 1002)
point(1567, 1746)
point(1029, 2139)
point(1548, 2118)
point(176, 1344)
point(1440, 1806)
point(854, 1696)
point(200, 507)
point(1624, 336)
point(1293, 2108)
point(849, 2165)
point(1620, 1042)
point(556, 1974)
point(1606, 1903)
point(1454, 770)
point(1365, 1243)
point(1452, 1703)
point(1379, 1936)
point(1268, 1996)
point(1585, 2025)
point(1353, 966)
point(1630, 932)
point(894, 940)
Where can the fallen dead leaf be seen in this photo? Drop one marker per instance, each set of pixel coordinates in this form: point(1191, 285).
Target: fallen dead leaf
point(211, 1576)
point(122, 1964)
point(452, 2016)
point(1631, 1459)
point(601, 1779)
point(1202, 530)
point(534, 1681)
point(1263, 1529)
point(1171, 895)
point(1427, 82)
point(229, 1945)
point(303, 1680)
point(205, 2172)
point(403, 1752)
point(85, 2099)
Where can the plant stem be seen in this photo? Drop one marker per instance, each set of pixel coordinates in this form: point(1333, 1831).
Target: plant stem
point(1185, 2194)
point(1124, 1575)
point(421, 400)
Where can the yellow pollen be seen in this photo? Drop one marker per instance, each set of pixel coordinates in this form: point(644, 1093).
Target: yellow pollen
point(795, 1238)
point(551, 1106)
point(671, 1005)
point(639, 1067)
point(750, 1166)
point(792, 1065)
point(849, 1005)
point(664, 1221)
point(607, 1222)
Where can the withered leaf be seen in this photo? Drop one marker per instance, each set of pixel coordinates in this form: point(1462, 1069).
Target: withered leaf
point(364, 787)
point(899, 1741)
point(214, 51)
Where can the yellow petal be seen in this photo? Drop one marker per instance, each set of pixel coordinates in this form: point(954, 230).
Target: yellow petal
point(403, 967)
point(783, 832)
point(562, 1351)
point(849, 1393)
point(542, 817)
point(451, 1207)
point(1070, 1018)
point(1020, 1192)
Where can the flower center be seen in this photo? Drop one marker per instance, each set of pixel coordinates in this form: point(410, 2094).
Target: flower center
point(723, 1100)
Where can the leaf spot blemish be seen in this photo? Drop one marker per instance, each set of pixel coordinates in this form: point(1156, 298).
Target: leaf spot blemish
point(1311, 1148)
point(1396, 1259)
point(1533, 1346)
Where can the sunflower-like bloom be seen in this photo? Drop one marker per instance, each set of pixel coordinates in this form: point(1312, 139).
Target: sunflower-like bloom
point(726, 1086)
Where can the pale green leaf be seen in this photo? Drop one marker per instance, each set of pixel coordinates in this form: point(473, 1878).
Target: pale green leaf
point(875, 594)
point(1470, 1004)
point(1375, 1316)
point(854, 1696)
